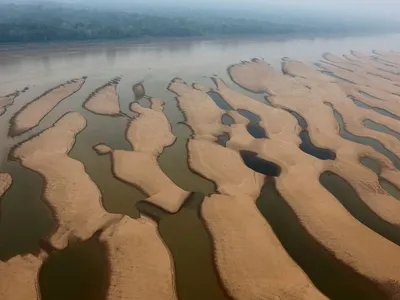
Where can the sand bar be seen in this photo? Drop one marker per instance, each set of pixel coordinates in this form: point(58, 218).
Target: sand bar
point(5, 183)
point(33, 112)
point(69, 191)
point(140, 264)
point(19, 278)
point(148, 135)
point(104, 100)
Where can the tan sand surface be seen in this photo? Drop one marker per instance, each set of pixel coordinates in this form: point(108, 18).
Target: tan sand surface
point(73, 197)
point(140, 264)
point(321, 214)
point(104, 100)
point(148, 135)
point(19, 278)
point(390, 57)
point(32, 113)
point(5, 183)
point(200, 111)
point(250, 259)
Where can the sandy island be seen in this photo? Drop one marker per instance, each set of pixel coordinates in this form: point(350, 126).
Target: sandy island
point(104, 100)
point(148, 135)
point(5, 183)
point(140, 263)
point(69, 191)
point(32, 113)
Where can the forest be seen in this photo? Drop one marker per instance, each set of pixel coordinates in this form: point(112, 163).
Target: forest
point(42, 23)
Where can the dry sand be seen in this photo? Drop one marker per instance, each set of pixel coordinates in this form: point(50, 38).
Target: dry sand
point(19, 278)
point(73, 197)
point(33, 112)
point(104, 100)
point(148, 135)
point(140, 264)
point(320, 213)
point(200, 111)
point(5, 183)
point(250, 259)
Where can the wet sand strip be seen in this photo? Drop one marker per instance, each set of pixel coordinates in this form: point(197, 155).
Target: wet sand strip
point(8, 100)
point(71, 194)
point(334, 278)
point(30, 115)
point(191, 246)
point(381, 128)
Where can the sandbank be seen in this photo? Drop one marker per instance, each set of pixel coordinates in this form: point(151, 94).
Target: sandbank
point(69, 191)
point(104, 100)
point(5, 183)
point(140, 264)
point(32, 113)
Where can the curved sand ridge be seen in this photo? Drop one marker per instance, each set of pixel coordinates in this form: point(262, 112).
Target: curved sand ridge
point(104, 100)
point(19, 278)
point(32, 113)
point(148, 135)
point(250, 259)
point(320, 213)
point(140, 264)
point(5, 183)
point(322, 126)
point(73, 197)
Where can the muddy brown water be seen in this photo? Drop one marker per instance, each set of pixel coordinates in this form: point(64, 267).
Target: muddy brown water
point(80, 270)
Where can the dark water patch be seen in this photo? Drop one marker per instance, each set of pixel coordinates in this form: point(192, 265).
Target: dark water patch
point(79, 271)
point(364, 140)
point(335, 279)
point(253, 127)
point(145, 102)
point(24, 216)
point(260, 165)
point(308, 147)
point(349, 198)
point(379, 110)
point(191, 247)
point(390, 188)
point(139, 91)
point(223, 139)
point(219, 101)
point(256, 131)
point(371, 164)
point(331, 74)
point(227, 120)
point(381, 128)
point(302, 122)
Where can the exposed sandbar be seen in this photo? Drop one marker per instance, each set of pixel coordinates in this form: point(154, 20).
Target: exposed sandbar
point(140, 264)
point(148, 134)
point(33, 112)
point(73, 197)
point(5, 183)
point(200, 111)
point(104, 100)
point(251, 261)
point(19, 278)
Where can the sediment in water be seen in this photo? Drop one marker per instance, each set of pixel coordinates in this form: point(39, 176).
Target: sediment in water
point(32, 113)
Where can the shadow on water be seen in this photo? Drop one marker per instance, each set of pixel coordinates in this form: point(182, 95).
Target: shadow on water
point(260, 165)
point(375, 108)
point(253, 127)
point(349, 198)
point(219, 101)
point(364, 140)
point(335, 279)
point(381, 128)
point(191, 246)
point(78, 272)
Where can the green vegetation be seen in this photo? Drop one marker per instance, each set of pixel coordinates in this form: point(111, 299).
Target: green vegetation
point(50, 22)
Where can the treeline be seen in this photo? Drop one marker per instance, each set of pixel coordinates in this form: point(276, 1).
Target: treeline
point(40, 23)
